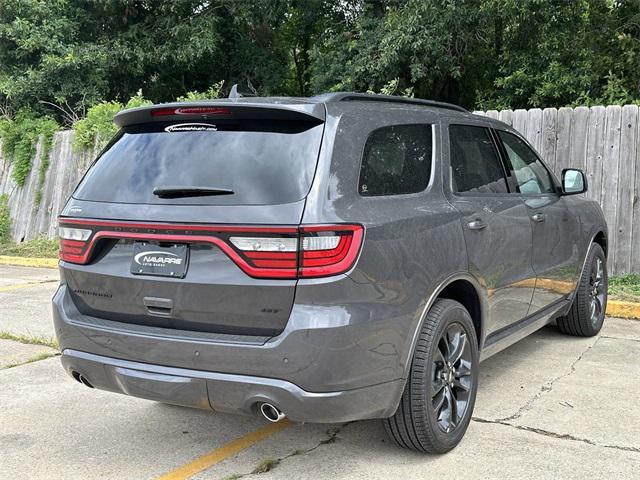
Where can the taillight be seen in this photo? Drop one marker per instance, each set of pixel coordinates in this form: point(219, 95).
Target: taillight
point(261, 252)
point(162, 112)
point(73, 243)
point(329, 250)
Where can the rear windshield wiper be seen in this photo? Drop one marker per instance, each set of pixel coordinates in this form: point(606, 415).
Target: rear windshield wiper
point(165, 191)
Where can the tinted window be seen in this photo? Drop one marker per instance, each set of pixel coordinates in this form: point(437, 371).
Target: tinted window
point(262, 163)
point(475, 165)
point(396, 160)
point(531, 175)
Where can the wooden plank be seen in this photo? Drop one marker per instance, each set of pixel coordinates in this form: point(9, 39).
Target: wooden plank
point(533, 129)
point(595, 152)
point(506, 116)
point(520, 121)
point(563, 147)
point(479, 112)
point(548, 151)
point(579, 134)
point(610, 165)
point(626, 184)
point(635, 221)
point(492, 114)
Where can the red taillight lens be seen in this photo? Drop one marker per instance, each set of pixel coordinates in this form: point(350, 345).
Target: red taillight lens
point(329, 250)
point(163, 112)
point(73, 243)
point(261, 252)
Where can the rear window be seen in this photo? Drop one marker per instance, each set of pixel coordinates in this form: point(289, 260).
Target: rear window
point(261, 162)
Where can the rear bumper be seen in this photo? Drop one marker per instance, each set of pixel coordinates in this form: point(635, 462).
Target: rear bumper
point(227, 392)
point(325, 367)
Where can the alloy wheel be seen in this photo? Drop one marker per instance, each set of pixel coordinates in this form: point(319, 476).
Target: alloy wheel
point(451, 377)
point(597, 291)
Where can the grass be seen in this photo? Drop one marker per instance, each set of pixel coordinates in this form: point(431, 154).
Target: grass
point(626, 287)
point(35, 358)
point(31, 339)
point(265, 465)
point(40, 247)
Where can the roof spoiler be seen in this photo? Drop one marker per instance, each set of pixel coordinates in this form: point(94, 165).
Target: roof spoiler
point(210, 110)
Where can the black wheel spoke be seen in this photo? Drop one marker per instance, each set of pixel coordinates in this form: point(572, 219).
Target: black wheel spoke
point(598, 307)
point(438, 385)
point(459, 343)
point(438, 401)
point(457, 383)
point(450, 410)
point(463, 370)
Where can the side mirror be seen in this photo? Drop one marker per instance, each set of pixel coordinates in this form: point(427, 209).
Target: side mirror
point(574, 181)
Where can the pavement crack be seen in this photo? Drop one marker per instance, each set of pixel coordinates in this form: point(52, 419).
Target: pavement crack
point(546, 387)
point(559, 436)
point(621, 338)
point(332, 437)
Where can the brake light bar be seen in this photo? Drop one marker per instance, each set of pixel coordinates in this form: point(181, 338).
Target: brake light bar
point(262, 252)
point(163, 112)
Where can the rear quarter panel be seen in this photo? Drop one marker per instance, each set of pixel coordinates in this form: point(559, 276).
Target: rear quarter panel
point(412, 244)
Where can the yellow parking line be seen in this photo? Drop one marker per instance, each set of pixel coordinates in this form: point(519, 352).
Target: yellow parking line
point(28, 262)
point(9, 288)
point(225, 451)
point(622, 309)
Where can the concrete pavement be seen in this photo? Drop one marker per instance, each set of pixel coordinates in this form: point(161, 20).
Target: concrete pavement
point(550, 406)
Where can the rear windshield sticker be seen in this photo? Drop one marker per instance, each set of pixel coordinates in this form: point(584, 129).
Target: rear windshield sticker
point(190, 127)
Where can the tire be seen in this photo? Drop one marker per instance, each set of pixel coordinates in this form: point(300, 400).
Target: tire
point(418, 424)
point(587, 312)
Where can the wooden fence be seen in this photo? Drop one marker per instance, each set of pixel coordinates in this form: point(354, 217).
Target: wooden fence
point(605, 143)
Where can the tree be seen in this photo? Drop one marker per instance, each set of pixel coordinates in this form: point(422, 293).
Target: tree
point(489, 54)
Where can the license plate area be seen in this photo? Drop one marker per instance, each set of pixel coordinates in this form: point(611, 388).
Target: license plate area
point(161, 260)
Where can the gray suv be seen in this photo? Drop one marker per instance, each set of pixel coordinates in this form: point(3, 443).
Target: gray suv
point(328, 259)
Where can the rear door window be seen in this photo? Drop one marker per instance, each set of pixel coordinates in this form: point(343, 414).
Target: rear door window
point(396, 160)
point(260, 162)
point(475, 164)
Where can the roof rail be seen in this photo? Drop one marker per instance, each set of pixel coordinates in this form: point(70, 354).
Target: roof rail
point(373, 97)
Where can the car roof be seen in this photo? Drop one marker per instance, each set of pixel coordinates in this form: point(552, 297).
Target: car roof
point(332, 98)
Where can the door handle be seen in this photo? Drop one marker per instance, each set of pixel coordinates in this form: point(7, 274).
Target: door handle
point(538, 217)
point(477, 224)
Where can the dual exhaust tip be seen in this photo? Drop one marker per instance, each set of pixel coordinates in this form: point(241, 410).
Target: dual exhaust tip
point(271, 412)
point(82, 379)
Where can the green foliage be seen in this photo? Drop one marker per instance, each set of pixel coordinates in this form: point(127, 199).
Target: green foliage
point(5, 219)
point(266, 465)
point(30, 339)
point(485, 54)
point(98, 124)
point(214, 91)
point(40, 247)
point(490, 54)
point(97, 128)
point(626, 287)
point(20, 137)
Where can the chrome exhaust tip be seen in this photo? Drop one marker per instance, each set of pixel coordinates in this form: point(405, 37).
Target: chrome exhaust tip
point(82, 379)
point(271, 413)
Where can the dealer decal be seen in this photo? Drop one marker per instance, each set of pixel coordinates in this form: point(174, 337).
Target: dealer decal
point(157, 259)
point(191, 127)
